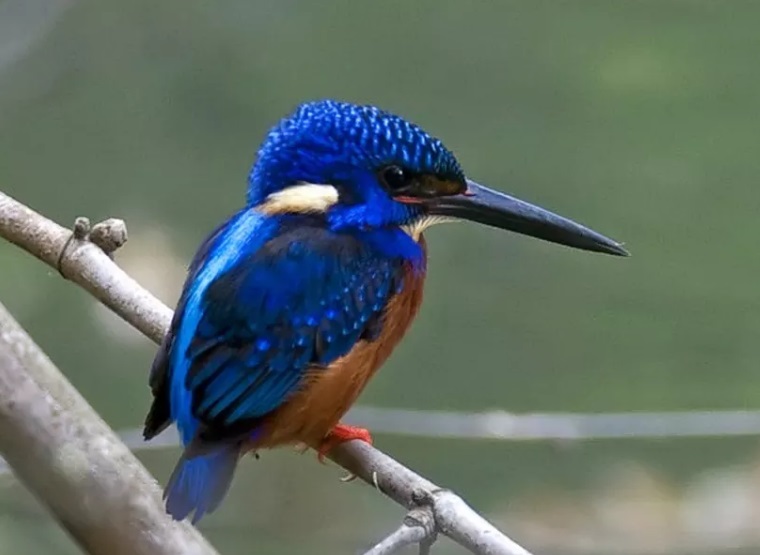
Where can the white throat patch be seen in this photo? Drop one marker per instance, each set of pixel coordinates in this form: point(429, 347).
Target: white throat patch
point(303, 198)
point(415, 228)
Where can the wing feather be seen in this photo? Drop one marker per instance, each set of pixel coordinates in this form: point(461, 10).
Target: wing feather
point(298, 301)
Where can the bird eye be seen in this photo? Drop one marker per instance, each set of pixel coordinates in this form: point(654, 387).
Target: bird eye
point(395, 178)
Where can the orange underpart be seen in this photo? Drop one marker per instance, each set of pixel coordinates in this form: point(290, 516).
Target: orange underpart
point(339, 434)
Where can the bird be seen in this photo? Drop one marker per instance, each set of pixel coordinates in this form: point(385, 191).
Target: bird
point(294, 302)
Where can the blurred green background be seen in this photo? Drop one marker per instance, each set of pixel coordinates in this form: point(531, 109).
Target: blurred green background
point(639, 118)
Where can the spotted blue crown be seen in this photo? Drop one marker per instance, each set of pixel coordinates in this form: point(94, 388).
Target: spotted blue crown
point(328, 141)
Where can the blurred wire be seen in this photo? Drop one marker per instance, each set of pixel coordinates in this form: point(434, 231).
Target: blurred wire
point(506, 426)
point(501, 425)
point(557, 426)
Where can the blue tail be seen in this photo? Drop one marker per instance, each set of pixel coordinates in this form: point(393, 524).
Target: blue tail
point(199, 483)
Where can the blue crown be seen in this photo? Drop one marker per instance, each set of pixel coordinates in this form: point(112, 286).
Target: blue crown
point(328, 134)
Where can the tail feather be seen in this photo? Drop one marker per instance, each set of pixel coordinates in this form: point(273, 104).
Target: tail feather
point(199, 483)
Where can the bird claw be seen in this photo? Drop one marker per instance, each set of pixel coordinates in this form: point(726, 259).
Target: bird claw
point(340, 434)
point(350, 477)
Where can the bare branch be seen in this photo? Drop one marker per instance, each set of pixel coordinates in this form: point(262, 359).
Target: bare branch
point(72, 461)
point(418, 527)
point(84, 263)
point(403, 536)
point(453, 516)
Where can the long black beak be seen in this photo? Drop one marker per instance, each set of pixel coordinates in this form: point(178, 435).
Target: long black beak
point(486, 206)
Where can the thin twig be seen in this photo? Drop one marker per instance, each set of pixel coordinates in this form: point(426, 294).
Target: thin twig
point(404, 535)
point(86, 264)
point(453, 517)
point(418, 527)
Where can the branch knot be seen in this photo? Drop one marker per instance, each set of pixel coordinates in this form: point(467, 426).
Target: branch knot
point(107, 235)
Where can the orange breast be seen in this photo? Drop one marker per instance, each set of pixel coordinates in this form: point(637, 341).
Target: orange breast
point(328, 393)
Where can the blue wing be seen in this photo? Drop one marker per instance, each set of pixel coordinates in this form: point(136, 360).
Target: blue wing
point(258, 313)
point(159, 416)
point(302, 300)
point(265, 300)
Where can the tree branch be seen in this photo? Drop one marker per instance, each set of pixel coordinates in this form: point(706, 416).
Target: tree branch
point(72, 461)
point(83, 262)
point(418, 527)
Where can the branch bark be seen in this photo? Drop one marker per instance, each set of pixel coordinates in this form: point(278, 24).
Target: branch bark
point(71, 460)
point(419, 527)
point(86, 264)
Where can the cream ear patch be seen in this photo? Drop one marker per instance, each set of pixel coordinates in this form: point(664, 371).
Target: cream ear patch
point(303, 198)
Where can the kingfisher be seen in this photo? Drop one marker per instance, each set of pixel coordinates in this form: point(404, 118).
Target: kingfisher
point(292, 304)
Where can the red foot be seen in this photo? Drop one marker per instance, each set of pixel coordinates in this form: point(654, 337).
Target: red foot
point(338, 435)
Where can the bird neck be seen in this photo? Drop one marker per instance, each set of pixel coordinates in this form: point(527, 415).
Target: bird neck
point(394, 242)
point(389, 241)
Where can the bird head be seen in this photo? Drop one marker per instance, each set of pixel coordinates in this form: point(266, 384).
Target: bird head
point(365, 168)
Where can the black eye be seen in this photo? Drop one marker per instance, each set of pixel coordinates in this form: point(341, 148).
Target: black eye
point(395, 178)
